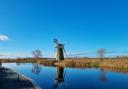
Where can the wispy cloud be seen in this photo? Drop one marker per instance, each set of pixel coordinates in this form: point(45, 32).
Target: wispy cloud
point(3, 37)
point(15, 55)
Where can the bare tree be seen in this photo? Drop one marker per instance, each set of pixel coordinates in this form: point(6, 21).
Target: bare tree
point(101, 53)
point(37, 53)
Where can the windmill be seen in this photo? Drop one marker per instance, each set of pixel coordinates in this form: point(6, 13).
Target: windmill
point(60, 73)
point(59, 50)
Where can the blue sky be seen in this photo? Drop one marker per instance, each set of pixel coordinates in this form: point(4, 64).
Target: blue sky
point(82, 25)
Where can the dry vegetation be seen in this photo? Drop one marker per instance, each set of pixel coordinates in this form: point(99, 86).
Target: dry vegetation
point(106, 63)
point(43, 61)
point(121, 63)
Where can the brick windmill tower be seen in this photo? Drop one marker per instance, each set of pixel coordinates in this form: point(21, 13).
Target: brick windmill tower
point(59, 50)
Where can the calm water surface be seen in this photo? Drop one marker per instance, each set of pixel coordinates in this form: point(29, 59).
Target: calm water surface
point(68, 78)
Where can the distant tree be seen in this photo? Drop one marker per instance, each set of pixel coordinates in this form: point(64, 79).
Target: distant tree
point(101, 53)
point(37, 53)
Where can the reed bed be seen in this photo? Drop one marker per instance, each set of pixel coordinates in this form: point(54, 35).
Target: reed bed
point(94, 63)
point(78, 62)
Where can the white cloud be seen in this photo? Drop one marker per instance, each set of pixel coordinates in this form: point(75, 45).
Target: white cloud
point(3, 37)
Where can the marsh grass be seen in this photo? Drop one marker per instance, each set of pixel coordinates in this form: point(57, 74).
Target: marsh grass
point(121, 63)
point(94, 63)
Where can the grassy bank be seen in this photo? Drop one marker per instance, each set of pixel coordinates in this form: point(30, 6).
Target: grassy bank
point(121, 63)
point(94, 63)
point(43, 61)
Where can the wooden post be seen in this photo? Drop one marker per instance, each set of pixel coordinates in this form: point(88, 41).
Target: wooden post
point(0, 64)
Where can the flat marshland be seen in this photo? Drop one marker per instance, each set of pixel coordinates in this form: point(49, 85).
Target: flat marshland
point(106, 72)
point(76, 62)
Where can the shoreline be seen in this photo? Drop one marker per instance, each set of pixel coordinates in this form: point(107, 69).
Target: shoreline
point(78, 63)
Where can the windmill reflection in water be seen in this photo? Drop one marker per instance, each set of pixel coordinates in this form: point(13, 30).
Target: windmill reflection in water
point(59, 78)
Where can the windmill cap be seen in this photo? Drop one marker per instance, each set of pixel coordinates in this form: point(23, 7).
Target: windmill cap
point(59, 46)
